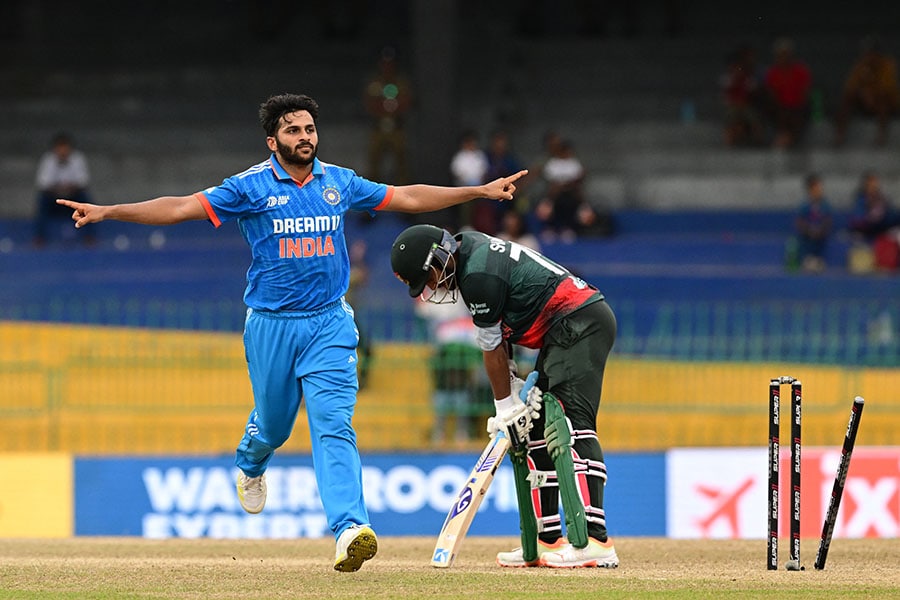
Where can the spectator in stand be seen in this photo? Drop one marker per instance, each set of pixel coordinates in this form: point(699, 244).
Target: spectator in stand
point(62, 173)
point(563, 212)
point(870, 89)
point(741, 92)
point(388, 98)
point(536, 183)
point(872, 212)
point(813, 225)
point(514, 229)
point(470, 164)
point(549, 143)
point(502, 159)
point(788, 81)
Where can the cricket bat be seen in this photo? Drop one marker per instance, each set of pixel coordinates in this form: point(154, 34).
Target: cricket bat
point(456, 525)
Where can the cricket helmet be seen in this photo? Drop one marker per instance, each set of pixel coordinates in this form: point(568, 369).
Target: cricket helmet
point(418, 250)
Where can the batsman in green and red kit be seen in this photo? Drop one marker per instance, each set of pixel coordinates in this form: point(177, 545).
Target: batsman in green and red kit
point(518, 296)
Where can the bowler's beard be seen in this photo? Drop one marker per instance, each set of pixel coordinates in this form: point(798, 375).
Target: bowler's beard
point(292, 155)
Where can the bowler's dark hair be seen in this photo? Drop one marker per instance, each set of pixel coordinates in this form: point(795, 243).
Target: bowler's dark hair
point(271, 111)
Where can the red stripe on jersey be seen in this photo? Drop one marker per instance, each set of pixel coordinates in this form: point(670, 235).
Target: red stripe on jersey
point(204, 201)
point(387, 199)
point(565, 299)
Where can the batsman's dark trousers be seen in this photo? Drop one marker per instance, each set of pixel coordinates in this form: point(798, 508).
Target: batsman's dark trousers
point(571, 364)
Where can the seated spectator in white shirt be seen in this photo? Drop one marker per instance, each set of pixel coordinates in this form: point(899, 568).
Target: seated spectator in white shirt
point(62, 173)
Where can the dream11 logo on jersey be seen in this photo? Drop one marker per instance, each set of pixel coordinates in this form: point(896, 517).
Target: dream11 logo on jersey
point(293, 245)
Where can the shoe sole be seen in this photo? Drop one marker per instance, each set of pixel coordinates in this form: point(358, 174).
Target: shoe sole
point(360, 549)
point(249, 510)
point(522, 565)
point(586, 564)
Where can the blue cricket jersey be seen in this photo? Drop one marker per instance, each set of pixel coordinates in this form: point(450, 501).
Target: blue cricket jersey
point(295, 230)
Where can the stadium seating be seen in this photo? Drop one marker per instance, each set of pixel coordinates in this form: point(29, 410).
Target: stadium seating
point(695, 270)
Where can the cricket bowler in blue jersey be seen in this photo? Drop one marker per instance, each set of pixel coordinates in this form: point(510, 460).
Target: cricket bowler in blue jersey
point(300, 337)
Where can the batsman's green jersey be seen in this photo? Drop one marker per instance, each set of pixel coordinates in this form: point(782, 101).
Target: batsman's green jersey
point(523, 290)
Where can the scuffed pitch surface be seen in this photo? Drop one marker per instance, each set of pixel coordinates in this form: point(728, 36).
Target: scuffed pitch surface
point(86, 568)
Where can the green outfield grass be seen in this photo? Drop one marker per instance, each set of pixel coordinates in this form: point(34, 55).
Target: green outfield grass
point(124, 568)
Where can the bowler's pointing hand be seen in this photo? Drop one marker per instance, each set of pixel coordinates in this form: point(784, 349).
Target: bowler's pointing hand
point(83, 213)
point(503, 188)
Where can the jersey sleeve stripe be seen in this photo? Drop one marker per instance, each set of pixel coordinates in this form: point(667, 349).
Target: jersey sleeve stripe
point(387, 198)
point(204, 201)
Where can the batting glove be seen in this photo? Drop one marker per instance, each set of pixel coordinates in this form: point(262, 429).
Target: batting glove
point(514, 417)
point(531, 395)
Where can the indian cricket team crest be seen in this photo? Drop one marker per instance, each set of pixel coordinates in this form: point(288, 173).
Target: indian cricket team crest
point(331, 196)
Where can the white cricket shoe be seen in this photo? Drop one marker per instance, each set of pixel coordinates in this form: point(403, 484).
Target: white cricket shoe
point(251, 492)
point(356, 545)
point(515, 558)
point(595, 554)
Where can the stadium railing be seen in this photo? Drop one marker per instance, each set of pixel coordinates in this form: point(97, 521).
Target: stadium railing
point(174, 380)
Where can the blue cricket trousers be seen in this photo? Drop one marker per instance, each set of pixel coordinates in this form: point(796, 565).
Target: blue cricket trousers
point(294, 356)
